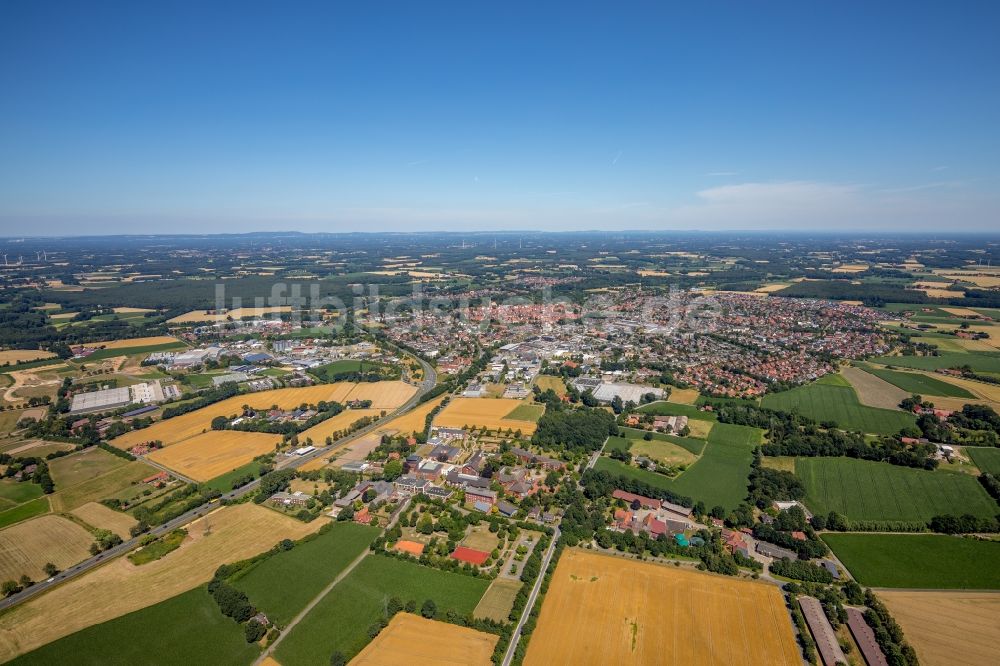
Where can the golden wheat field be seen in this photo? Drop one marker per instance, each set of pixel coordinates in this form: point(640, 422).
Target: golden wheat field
point(607, 610)
point(194, 423)
point(319, 433)
point(948, 628)
point(23, 355)
point(120, 587)
point(384, 395)
point(683, 396)
point(206, 456)
point(135, 342)
point(234, 314)
point(411, 640)
point(100, 516)
point(413, 420)
point(483, 412)
point(27, 546)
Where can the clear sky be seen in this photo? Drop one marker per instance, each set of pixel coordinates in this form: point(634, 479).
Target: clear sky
point(122, 117)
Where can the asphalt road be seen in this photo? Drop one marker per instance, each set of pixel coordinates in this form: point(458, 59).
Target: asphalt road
point(430, 379)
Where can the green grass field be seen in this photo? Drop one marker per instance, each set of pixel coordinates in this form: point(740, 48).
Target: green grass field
point(826, 402)
point(283, 584)
point(341, 619)
point(13, 492)
point(675, 409)
point(526, 412)
point(224, 482)
point(132, 351)
point(695, 446)
point(719, 477)
point(183, 630)
point(987, 459)
point(865, 490)
point(979, 361)
point(917, 383)
point(30, 509)
point(918, 560)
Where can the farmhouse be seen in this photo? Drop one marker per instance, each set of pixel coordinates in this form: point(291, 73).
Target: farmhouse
point(629, 498)
point(822, 631)
point(777, 552)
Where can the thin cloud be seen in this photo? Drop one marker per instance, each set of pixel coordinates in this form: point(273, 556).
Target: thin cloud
point(617, 157)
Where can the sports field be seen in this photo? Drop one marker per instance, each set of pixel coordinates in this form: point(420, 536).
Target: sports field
point(948, 628)
point(826, 402)
point(340, 621)
point(119, 587)
point(608, 610)
point(865, 490)
point(411, 639)
point(498, 600)
point(27, 546)
point(987, 459)
point(183, 630)
point(923, 561)
point(99, 516)
point(283, 584)
point(490, 413)
point(916, 382)
point(204, 457)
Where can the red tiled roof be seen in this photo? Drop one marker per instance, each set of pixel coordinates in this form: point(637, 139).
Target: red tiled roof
point(470, 555)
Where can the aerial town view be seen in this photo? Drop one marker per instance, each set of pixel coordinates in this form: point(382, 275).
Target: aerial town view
point(467, 335)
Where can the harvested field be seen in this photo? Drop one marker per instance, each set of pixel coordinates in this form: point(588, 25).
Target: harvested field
point(136, 342)
point(683, 396)
point(194, 423)
point(131, 310)
point(92, 475)
point(204, 457)
point(982, 390)
point(608, 610)
point(26, 547)
point(948, 628)
point(77, 468)
point(319, 433)
point(961, 312)
point(545, 382)
point(413, 420)
point(384, 395)
point(498, 600)
point(771, 288)
point(13, 356)
point(235, 314)
point(100, 516)
point(483, 412)
point(237, 532)
point(411, 640)
point(874, 391)
point(919, 382)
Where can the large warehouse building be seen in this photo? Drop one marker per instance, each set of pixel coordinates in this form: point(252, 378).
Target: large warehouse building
point(113, 398)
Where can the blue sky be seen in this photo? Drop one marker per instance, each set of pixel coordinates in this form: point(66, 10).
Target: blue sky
point(331, 116)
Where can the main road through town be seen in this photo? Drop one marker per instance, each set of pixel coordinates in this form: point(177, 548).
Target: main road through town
point(428, 382)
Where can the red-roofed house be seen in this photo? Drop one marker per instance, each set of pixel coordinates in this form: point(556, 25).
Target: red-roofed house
point(799, 536)
point(644, 502)
point(363, 517)
point(470, 555)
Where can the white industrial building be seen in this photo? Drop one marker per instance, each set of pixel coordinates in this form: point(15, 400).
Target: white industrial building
point(113, 398)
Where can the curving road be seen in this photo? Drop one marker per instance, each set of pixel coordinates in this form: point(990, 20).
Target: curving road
point(430, 379)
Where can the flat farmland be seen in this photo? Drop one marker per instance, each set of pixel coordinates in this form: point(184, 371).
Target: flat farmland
point(826, 402)
point(498, 600)
point(235, 314)
point(948, 628)
point(384, 395)
point(865, 490)
point(545, 382)
point(283, 584)
point(237, 532)
point(607, 610)
point(413, 420)
point(204, 457)
point(341, 619)
point(923, 561)
point(105, 479)
point(483, 412)
point(987, 459)
point(413, 640)
point(13, 356)
point(920, 383)
point(183, 630)
point(318, 433)
point(981, 362)
point(26, 547)
point(100, 516)
point(136, 342)
point(194, 423)
point(872, 390)
point(684, 396)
